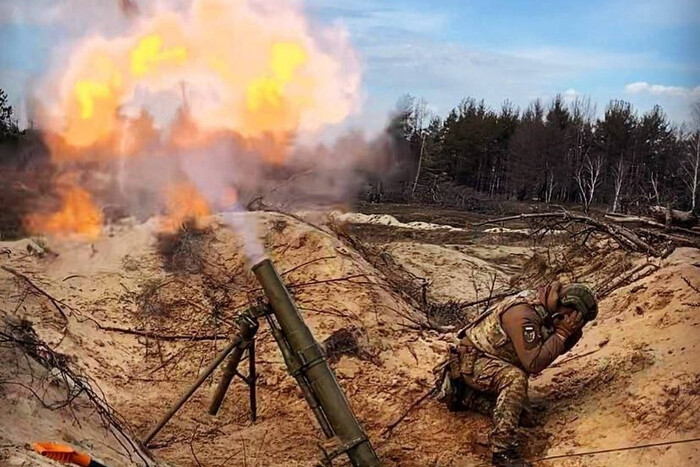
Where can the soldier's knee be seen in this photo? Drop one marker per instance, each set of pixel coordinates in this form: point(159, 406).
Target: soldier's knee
point(514, 379)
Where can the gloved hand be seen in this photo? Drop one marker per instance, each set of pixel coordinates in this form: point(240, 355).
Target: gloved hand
point(569, 324)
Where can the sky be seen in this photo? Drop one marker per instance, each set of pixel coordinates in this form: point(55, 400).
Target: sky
point(643, 51)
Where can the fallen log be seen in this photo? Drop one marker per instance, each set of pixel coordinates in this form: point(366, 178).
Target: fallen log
point(675, 239)
point(636, 220)
point(625, 237)
point(673, 216)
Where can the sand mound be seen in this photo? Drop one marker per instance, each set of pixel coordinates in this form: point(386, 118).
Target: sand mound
point(119, 285)
point(391, 221)
point(142, 327)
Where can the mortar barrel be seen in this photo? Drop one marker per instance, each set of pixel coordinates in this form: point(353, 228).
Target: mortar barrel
point(321, 379)
point(292, 366)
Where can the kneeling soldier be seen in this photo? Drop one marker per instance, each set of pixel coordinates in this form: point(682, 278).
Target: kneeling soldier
point(497, 353)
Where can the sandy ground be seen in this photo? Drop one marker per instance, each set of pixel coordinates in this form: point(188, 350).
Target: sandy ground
point(634, 379)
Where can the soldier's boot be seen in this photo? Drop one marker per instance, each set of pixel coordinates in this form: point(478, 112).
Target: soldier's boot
point(482, 403)
point(458, 400)
point(528, 419)
point(509, 458)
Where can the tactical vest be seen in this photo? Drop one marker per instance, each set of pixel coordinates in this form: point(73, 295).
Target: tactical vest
point(487, 334)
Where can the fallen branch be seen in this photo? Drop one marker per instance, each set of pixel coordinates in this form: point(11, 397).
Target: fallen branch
point(680, 241)
point(415, 404)
point(625, 448)
point(573, 357)
point(622, 235)
point(637, 273)
point(54, 301)
point(164, 337)
point(544, 215)
point(327, 281)
point(323, 258)
point(696, 289)
point(649, 222)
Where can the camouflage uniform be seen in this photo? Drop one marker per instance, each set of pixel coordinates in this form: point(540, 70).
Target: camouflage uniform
point(491, 375)
point(487, 362)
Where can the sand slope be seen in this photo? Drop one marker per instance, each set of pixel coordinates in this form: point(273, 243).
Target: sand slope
point(640, 385)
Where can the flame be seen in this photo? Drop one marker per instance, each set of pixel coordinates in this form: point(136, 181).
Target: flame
point(183, 202)
point(93, 103)
point(78, 215)
point(149, 54)
point(255, 71)
point(250, 70)
point(285, 58)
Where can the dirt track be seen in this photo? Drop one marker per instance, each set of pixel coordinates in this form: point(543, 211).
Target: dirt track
point(634, 379)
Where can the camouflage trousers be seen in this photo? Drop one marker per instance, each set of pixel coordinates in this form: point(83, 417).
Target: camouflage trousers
point(494, 378)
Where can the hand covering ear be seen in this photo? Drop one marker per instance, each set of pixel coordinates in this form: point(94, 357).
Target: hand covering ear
point(551, 296)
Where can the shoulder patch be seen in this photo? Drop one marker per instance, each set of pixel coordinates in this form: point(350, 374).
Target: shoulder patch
point(529, 333)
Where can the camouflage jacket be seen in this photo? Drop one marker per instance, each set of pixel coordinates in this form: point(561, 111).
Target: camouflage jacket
point(486, 332)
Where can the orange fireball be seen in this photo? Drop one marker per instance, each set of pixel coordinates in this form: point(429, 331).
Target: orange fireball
point(183, 202)
point(78, 215)
point(185, 79)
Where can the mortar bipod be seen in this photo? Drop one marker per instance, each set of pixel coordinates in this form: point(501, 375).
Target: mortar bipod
point(248, 327)
point(244, 339)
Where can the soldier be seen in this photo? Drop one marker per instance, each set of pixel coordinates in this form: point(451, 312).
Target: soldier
point(519, 337)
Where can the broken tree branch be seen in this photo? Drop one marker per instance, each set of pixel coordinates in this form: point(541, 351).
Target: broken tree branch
point(390, 427)
point(622, 235)
point(164, 337)
point(637, 273)
point(58, 304)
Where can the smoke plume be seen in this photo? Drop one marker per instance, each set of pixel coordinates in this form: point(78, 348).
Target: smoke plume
point(185, 103)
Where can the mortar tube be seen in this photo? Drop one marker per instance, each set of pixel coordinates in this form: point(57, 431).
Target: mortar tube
point(292, 367)
point(316, 369)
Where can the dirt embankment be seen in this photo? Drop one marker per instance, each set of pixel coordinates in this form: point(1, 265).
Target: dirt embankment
point(633, 380)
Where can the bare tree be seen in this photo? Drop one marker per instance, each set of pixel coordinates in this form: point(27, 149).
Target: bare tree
point(619, 174)
point(588, 170)
point(691, 158)
point(420, 115)
point(588, 179)
point(550, 185)
point(654, 180)
point(582, 111)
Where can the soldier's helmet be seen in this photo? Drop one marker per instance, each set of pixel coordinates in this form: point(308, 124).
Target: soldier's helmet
point(581, 297)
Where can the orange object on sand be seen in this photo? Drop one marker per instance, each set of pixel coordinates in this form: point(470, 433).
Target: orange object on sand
point(66, 454)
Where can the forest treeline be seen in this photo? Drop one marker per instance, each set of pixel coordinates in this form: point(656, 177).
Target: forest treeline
point(557, 152)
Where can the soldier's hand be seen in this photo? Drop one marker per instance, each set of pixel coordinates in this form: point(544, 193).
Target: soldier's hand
point(571, 323)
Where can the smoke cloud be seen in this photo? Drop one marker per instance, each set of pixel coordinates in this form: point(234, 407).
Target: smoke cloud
point(178, 105)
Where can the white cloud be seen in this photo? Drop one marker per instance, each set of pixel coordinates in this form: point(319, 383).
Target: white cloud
point(582, 58)
point(661, 90)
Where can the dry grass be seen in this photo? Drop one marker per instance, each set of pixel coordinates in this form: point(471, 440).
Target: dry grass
point(182, 251)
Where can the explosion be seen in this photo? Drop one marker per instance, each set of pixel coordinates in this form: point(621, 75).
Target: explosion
point(78, 215)
point(183, 79)
point(184, 202)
